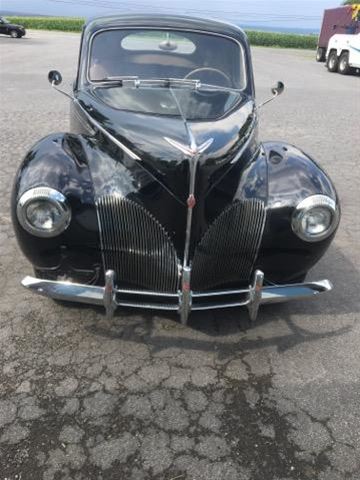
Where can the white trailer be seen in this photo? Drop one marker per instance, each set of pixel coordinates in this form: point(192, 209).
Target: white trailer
point(343, 53)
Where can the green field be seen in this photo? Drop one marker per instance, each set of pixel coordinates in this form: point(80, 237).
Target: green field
point(284, 40)
point(64, 24)
point(265, 39)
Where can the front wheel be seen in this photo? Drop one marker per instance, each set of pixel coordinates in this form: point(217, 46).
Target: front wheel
point(332, 62)
point(344, 67)
point(14, 34)
point(320, 54)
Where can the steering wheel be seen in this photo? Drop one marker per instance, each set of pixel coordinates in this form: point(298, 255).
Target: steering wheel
point(212, 70)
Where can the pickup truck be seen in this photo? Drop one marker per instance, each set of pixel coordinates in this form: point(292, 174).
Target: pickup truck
point(343, 20)
point(343, 53)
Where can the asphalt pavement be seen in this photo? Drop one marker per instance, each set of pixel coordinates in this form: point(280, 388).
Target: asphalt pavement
point(140, 396)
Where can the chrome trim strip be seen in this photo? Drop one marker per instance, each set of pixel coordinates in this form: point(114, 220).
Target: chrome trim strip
point(106, 133)
point(149, 306)
point(247, 138)
point(109, 296)
point(193, 162)
point(86, 125)
point(223, 305)
point(193, 151)
point(219, 293)
point(147, 293)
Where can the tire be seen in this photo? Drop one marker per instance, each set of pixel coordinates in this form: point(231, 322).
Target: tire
point(344, 67)
point(14, 34)
point(332, 61)
point(320, 54)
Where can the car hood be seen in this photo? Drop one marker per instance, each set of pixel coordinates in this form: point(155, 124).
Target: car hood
point(147, 133)
point(156, 139)
point(14, 25)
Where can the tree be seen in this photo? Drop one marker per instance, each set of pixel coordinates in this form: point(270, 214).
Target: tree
point(355, 8)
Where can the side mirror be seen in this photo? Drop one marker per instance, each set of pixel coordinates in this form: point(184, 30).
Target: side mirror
point(278, 89)
point(54, 77)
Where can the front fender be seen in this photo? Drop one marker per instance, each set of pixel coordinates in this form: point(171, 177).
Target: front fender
point(291, 177)
point(59, 161)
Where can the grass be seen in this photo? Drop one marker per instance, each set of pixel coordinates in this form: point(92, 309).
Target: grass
point(264, 39)
point(63, 24)
point(283, 40)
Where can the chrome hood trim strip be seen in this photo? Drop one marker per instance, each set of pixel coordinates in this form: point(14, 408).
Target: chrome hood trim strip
point(107, 134)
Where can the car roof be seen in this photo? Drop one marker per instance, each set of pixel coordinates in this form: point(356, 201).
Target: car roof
point(165, 21)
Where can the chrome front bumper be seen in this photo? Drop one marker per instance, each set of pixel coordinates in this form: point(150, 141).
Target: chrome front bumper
point(183, 302)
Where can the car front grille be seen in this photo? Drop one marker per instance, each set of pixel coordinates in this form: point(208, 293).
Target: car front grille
point(228, 250)
point(137, 247)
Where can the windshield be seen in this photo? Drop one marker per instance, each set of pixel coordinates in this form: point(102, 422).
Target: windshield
point(4, 20)
point(167, 54)
point(193, 104)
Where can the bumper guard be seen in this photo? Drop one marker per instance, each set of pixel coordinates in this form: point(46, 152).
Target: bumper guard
point(183, 302)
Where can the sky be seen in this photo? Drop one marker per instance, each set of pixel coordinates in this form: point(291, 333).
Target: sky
point(306, 14)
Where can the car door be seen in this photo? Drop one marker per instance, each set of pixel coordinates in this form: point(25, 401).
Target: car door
point(3, 28)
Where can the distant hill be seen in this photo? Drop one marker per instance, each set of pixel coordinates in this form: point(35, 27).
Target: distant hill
point(12, 13)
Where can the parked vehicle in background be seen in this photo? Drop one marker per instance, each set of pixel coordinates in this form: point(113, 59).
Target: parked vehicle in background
point(7, 28)
point(341, 20)
point(343, 53)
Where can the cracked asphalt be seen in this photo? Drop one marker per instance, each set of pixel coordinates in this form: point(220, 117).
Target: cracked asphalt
point(142, 397)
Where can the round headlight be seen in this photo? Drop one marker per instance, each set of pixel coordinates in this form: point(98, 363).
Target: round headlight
point(43, 212)
point(315, 218)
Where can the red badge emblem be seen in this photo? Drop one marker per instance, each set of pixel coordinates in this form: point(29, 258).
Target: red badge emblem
point(191, 202)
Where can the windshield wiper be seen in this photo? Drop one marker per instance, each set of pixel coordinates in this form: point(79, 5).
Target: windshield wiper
point(179, 82)
point(219, 88)
point(117, 79)
point(135, 81)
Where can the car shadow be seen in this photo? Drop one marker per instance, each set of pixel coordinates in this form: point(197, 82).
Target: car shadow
point(232, 336)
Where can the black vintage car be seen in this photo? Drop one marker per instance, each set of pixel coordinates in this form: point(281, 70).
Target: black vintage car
point(161, 196)
point(8, 28)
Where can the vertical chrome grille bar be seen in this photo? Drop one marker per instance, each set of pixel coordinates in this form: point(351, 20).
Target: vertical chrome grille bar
point(135, 246)
point(228, 250)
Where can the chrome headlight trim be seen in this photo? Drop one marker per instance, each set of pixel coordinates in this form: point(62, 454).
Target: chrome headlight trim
point(306, 205)
point(52, 196)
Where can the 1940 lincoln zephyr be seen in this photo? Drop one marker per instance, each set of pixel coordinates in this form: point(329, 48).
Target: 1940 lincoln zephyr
point(161, 196)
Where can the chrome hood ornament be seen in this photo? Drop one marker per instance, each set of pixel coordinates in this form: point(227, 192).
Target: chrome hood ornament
point(191, 150)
